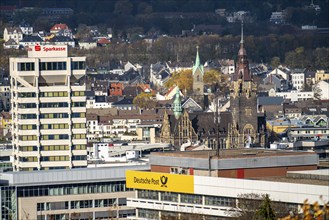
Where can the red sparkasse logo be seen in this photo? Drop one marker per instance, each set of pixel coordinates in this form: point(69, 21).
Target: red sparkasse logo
point(37, 48)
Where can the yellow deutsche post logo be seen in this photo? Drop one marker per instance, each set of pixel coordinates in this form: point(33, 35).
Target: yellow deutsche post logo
point(160, 181)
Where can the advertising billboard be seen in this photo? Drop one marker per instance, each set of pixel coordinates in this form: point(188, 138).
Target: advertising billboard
point(160, 181)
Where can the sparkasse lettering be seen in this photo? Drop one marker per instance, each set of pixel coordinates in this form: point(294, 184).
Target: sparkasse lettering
point(46, 49)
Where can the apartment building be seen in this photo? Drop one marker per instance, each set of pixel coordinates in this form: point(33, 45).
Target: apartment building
point(48, 110)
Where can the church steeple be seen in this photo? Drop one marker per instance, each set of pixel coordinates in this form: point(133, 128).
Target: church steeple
point(242, 70)
point(197, 65)
point(177, 104)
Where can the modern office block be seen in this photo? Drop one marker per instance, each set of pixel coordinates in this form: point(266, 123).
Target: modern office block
point(48, 110)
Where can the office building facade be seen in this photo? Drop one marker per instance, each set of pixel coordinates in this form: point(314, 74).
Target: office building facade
point(48, 110)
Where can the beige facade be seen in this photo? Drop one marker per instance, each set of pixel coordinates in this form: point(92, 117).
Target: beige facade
point(50, 207)
point(48, 110)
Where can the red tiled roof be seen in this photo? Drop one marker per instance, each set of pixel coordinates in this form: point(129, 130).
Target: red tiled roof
point(103, 41)
point(58, 27)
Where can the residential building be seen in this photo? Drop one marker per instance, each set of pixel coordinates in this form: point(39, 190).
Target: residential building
point(227, 66)
point(48, 110)
point(279, 83)
point(159, 74)
point(10, 44)
point(31, 40)
point(278, 17)
point(298, 79)
point(321, 75)
point(58, 27)
point(321, 90)
point(26, 29)
point(14, 33)
point(88, 193)
point(87, 44)
point(294, 95)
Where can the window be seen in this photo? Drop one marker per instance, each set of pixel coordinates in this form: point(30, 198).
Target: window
point(78, 65)
point(148, 194)
point(52, 66)
point(79, 157)
point(79, 136)
point(219, 201)
point(53, 94)
point(54, 104)
point(169, 196)
point(79, 125)
point(190, 198)
point(78, 93)
point(79, 147)
point(25, 66)
point(79, 104)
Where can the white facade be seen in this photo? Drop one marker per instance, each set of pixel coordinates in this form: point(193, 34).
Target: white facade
point(298, 80)
point(13, 33)
point(282, 72)
point(48, 110)
point(322, 90)
point(295, 96)
point(87, 45)
point(225, 191)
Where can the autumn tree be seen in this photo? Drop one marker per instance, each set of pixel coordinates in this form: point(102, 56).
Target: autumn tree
point(183, 79)
point(145, 101)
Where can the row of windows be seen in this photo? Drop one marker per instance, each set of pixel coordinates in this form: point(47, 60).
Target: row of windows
point(54, 115)
point(54, 105)
point(27, 105)
point(28, 159)
point(78, 65)
point(27, 127)
point(27, 94)
point(55, 158)
point(55, 137)
point(79, 204)
point(186, 198)
point(72, 189)
point(79, 104)
point(52, 66)
point(28, 148)
point(78, 93)
point(25, 66)
point(27, 116)
point(55, 126)
point(79, 157)
point(79, 147)
point(53, 94)
point(55, 147)
point(79, 125)
point(27, 137)
point(79, 136)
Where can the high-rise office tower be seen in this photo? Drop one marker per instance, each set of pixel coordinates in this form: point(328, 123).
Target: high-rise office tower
point(48, 110)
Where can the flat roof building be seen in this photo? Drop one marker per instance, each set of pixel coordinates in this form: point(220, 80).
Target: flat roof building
point(88, 193)
point(201, 185)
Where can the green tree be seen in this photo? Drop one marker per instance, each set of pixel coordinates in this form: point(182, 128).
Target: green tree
point(275, 62)
point(145, 101)
point(265, 211)
point(182, 79)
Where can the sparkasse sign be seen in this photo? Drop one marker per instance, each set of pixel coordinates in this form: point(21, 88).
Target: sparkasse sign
point(160, 181)
point(47, 51)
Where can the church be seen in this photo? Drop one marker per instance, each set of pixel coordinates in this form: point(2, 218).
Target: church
point(241, 126)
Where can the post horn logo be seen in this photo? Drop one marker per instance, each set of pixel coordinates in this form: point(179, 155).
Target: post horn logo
point(164, 181)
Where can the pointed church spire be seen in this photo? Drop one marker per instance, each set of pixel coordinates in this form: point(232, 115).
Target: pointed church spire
point(197, 58)
point(177, 105)
point(241, 42)
point(197, 64)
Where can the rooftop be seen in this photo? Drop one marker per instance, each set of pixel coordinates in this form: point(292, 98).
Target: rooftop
point(233, 153)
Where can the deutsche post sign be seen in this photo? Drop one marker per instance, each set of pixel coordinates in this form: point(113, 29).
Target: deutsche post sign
point(160, 181)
